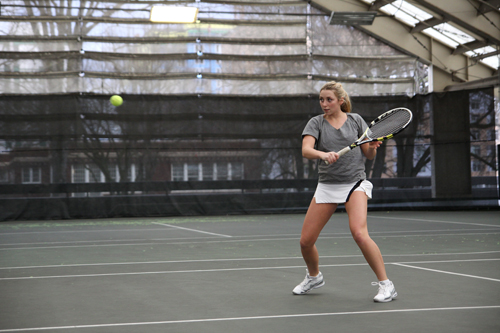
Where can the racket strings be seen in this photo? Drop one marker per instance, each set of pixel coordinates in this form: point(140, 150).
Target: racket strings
point(391, 124)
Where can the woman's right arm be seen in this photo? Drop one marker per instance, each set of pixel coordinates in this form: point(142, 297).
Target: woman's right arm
point(310, 153)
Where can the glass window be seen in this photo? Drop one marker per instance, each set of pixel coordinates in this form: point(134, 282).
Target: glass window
point(222, 173)
point(26, 175)
point(112, 172)
point(36, 176)
point(4, 176)
point(31, 175)
point(491, 134)
point(208, 171)
point(177, 172)
point(78, 173)
point(491, 153)
point(192, 171)
point(475, 135)
point(236, 171)
point(94, 174)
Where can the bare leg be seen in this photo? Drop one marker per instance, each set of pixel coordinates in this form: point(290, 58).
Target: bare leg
point(357, 210)
point(316, 218)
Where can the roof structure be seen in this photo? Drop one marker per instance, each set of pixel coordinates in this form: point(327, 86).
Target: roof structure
point(459, 38)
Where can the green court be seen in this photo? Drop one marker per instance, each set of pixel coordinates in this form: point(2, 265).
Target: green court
point(236, 273)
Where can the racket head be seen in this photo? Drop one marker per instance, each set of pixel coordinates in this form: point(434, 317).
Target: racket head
point(382, 128)
point(387, 125)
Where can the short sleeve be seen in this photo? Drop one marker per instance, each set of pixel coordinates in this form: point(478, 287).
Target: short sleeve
point(313, 127)
point(362, 126)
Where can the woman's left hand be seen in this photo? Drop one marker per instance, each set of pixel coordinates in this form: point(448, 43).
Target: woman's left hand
point(374, 145)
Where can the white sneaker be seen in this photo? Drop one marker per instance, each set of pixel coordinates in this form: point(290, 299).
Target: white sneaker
point(386, 291)
point(309, 283)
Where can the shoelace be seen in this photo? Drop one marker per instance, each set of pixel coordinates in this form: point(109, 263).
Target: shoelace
point(307, 280)
point(381, 287)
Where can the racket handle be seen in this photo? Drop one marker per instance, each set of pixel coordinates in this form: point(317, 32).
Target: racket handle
point(344, 151)
point(341, 152)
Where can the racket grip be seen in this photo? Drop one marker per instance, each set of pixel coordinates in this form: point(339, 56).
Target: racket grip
point(344, 151)
point(341, 152)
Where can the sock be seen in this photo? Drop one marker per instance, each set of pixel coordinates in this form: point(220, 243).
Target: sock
point(386, 281)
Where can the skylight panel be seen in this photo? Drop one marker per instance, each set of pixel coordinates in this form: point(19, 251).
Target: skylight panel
point(439, 36)
point(406, 12)
point(481, 50)
point(454, 33)
point(492, 61)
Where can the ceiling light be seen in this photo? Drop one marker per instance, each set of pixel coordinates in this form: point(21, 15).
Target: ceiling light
point(173, 14)
point(352, 18)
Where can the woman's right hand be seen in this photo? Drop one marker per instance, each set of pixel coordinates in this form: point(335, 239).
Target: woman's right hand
point(330, 157)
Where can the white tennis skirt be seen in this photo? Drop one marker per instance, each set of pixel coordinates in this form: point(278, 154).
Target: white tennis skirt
point(340, 193)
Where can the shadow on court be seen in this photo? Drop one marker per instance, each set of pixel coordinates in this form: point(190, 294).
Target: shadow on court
point(236, 274)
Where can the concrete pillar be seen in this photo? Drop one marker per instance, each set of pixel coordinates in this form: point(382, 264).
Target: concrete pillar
point(450, 149)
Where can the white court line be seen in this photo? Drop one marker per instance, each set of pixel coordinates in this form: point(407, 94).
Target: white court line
point(240, 259)
point(42, 232)
point(323, 235)
point(437, 221)
point(211, 320)
point(227, 270)
point(446, 272)
point(189, 229)
point(202, 241)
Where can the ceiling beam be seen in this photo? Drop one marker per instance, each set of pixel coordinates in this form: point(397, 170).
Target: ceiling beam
point(433, 21)
point(486, 55)
point(377, 4)
point(486, 6)
point(456, 68)
point(447, 7)
point(476, 44)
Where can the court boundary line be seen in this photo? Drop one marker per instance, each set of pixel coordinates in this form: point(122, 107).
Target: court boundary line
point(446, 272)
point(323, 235)
point(6, 232)
point(189, 229)
point(299, 315)
point(430, 221)
point(236, 239)
point(226, 270)
point(237, 259)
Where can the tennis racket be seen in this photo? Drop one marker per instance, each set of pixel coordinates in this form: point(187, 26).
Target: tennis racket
point(384, 127)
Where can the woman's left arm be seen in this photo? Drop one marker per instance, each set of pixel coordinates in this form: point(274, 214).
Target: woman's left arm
point(370, 149)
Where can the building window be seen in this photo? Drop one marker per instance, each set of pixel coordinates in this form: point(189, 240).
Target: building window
point(112, 170)
point(491, 135)
point(95, 174)
point(475, 105)
point(78, 173)
point(82, 173)
point(4, 176)
point(31, 175)
point(475, 135)
point(207, 171)
point(475, 163)
point(237, 171)
point(193, 171)
point(177, 172)
point(491, 152)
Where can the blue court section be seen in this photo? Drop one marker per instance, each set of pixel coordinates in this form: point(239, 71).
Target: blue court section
point(236, 274)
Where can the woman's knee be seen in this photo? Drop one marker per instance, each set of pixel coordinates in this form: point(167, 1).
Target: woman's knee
point(360, 236)
point(306, 243)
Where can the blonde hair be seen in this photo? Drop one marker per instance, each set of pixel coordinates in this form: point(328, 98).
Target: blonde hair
point(340, 93)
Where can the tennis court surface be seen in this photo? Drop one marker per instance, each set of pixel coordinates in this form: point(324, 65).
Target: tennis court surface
point(236, 274)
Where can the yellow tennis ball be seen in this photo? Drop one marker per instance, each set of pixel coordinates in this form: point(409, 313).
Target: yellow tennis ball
point(116, 100)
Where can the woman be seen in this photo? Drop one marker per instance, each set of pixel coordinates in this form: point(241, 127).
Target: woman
point(341, 180)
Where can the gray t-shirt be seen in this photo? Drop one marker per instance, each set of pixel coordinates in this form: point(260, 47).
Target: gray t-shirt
point(350, 167)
